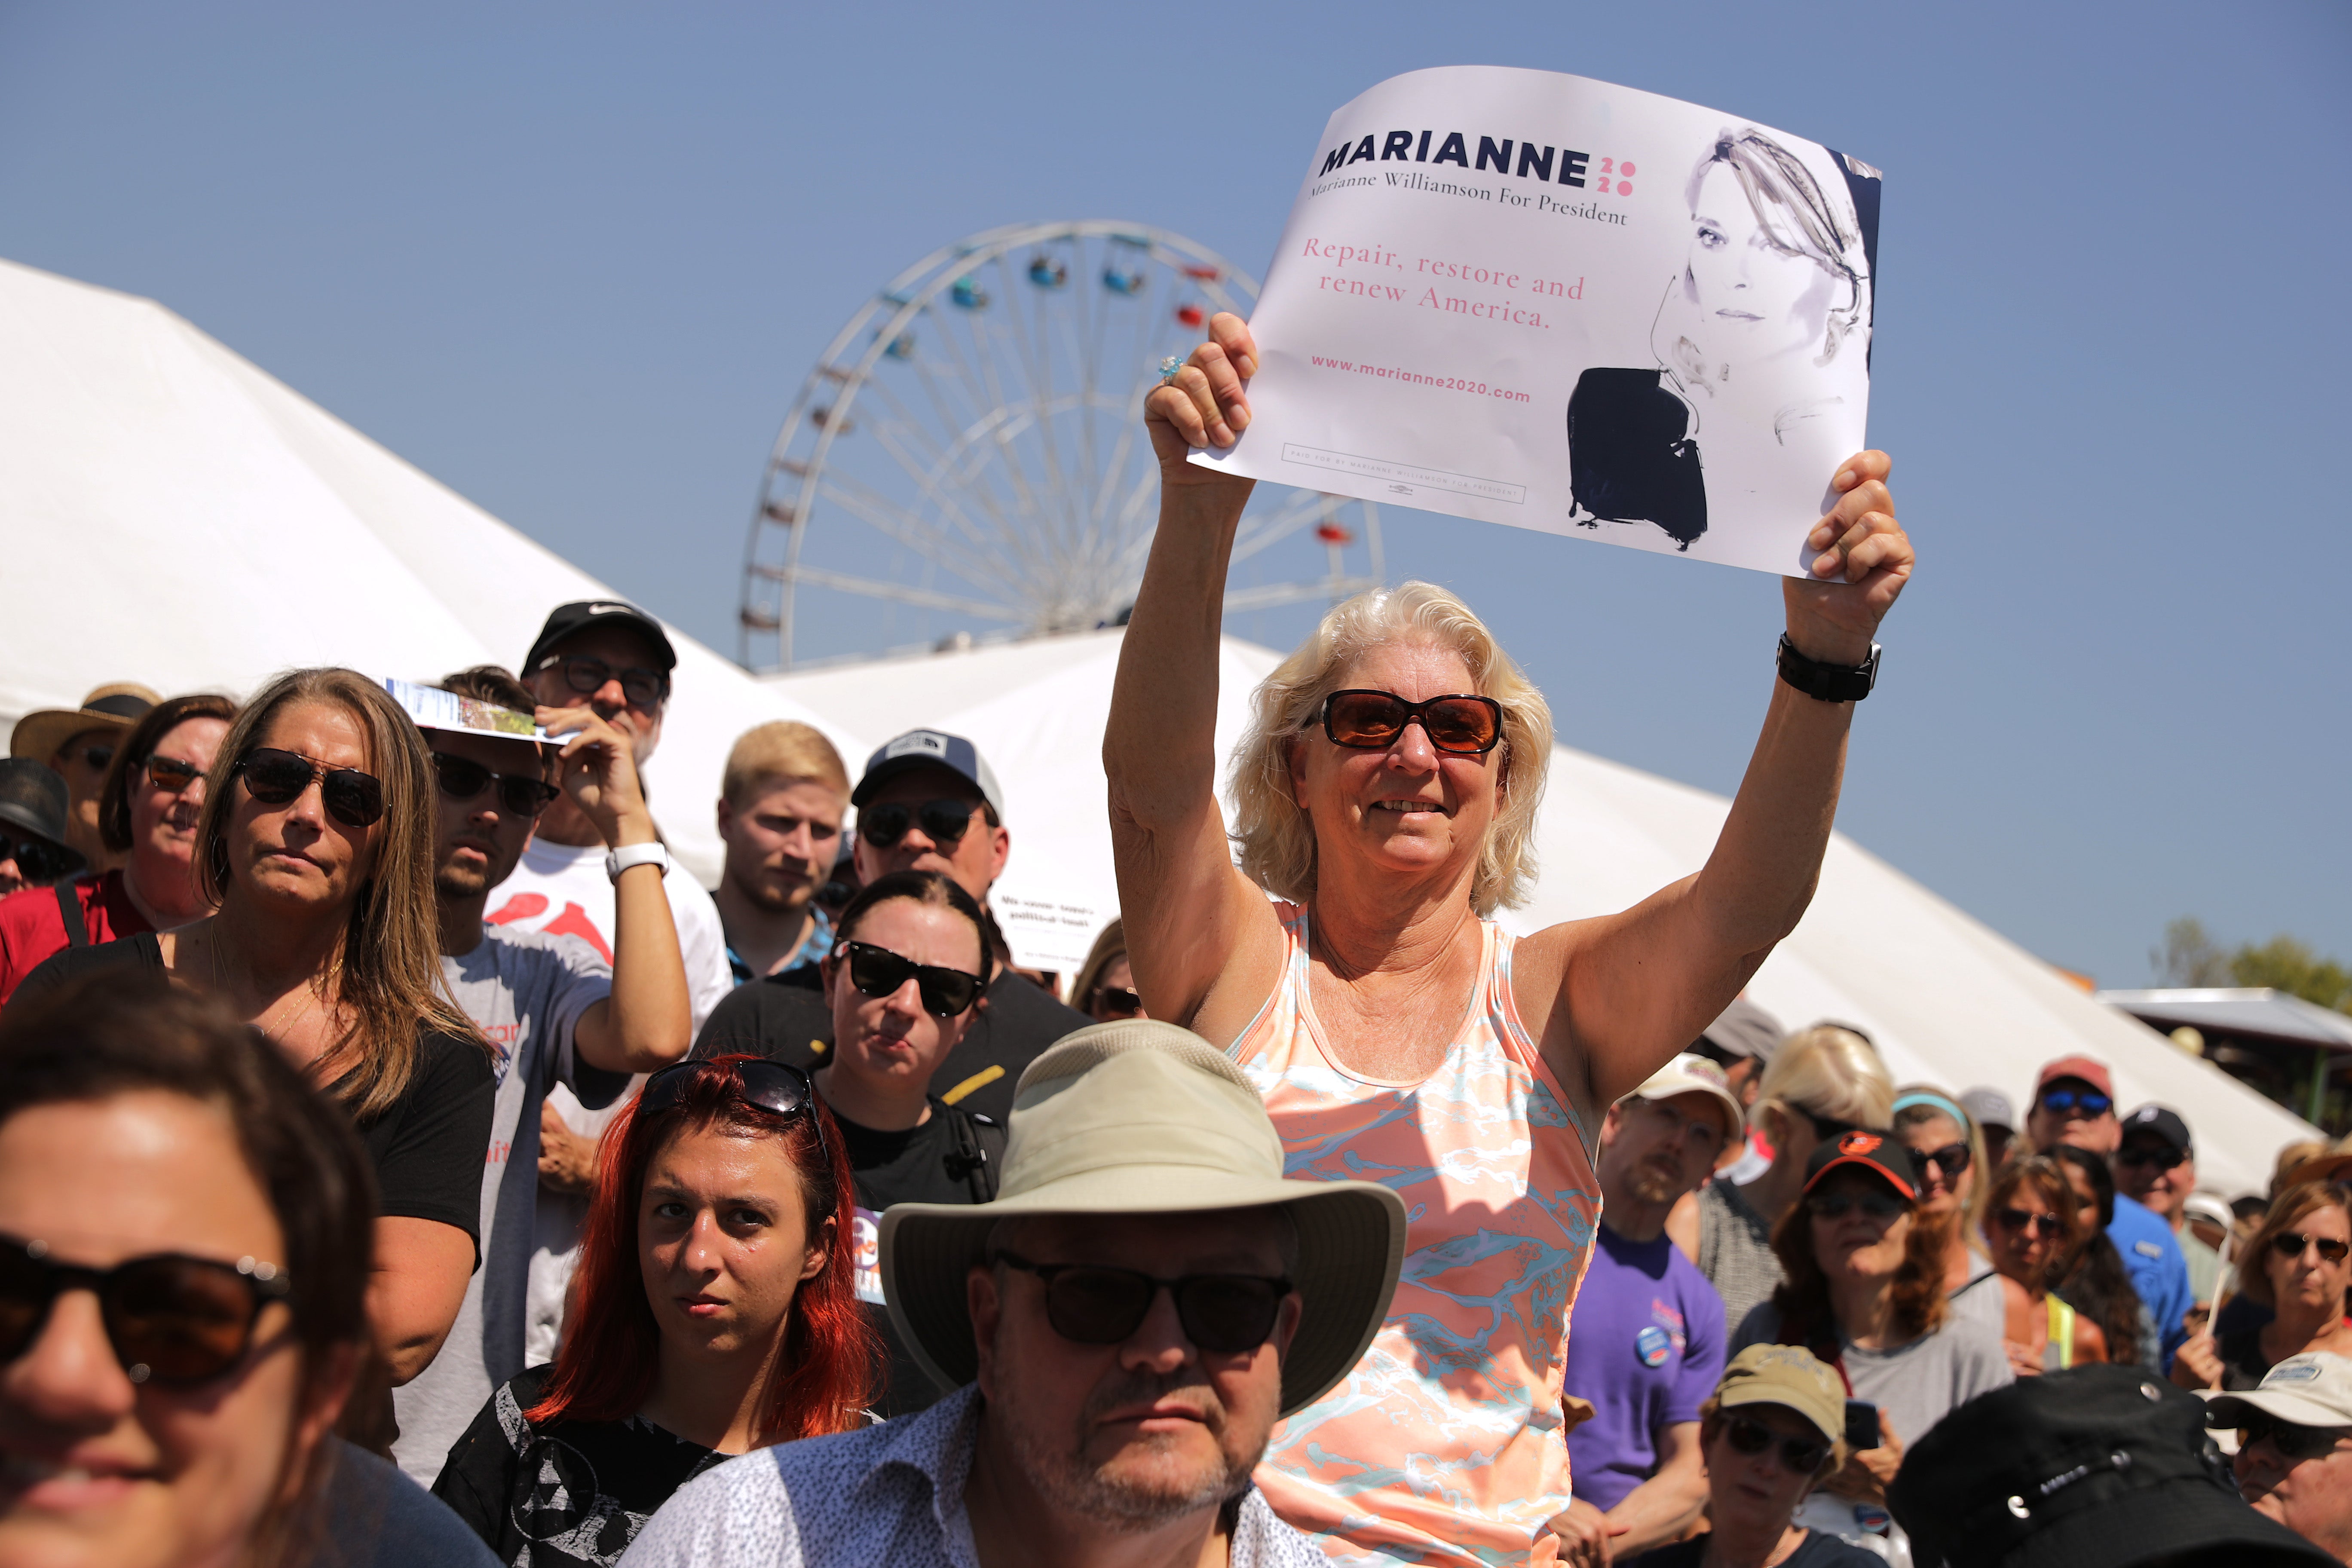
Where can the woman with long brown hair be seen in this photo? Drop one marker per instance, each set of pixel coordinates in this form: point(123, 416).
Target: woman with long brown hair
point(1865, 1292)
point(2035, 1223)
point(2299, 1264)
point(315, 848)
point(717, 1314)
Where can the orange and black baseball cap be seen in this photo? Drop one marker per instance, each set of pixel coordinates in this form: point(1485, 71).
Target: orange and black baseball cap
point(1881, 1153)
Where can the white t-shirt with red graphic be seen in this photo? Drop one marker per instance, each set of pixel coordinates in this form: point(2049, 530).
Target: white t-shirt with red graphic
point(563, 891)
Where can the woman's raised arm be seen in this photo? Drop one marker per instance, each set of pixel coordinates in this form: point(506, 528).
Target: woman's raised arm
point(1204, 943)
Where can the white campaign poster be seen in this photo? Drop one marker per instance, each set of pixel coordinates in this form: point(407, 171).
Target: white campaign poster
point(1545, 300)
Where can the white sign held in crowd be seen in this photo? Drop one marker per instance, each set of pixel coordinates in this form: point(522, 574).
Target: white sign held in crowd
point(1545, 300)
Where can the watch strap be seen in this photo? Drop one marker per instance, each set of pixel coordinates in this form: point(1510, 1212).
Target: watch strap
point(1828, 682)
point(619, 860)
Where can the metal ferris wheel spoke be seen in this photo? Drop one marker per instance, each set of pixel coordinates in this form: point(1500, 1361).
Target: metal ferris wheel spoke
point(817, 576)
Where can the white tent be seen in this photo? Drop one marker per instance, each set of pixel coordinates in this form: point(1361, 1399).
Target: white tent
point(1948, 1000)
point(171, 515)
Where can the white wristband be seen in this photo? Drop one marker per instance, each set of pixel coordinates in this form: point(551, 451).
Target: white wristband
point(619, 860)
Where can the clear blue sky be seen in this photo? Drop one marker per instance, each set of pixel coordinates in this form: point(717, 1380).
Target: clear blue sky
point(575, 259)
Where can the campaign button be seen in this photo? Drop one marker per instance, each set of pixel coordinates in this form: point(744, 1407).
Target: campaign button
point(1652, 1345)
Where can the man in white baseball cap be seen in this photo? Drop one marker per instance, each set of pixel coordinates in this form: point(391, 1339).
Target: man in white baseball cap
point(1646, 1339)
point(1145, 1297)
point(2295, 1448)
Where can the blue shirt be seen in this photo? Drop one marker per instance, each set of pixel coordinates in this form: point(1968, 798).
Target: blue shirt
point(1646, 1347)
point(2151, 1254)
point(814, 946)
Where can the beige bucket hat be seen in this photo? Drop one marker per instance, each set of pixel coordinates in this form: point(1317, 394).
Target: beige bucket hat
point(1140, 1117)
point(114, 708)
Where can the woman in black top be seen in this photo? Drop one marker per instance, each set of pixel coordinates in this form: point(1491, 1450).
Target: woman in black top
point(315, 847)
point(905, 980)
point(2299, 1264)
point(714, 1315)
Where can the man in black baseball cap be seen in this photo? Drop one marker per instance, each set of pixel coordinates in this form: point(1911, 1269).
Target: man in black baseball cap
point(2102, 1467)
point(2156, 1164)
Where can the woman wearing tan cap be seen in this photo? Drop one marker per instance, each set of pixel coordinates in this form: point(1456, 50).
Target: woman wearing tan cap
point(1387, 795)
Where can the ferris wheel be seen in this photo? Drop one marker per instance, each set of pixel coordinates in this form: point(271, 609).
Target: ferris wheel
point(968, 459)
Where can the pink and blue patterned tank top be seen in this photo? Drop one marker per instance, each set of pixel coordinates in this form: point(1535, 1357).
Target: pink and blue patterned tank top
point(1446, 1445)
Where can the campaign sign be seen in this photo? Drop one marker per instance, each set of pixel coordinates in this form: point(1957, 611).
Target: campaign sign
point(1545, 300)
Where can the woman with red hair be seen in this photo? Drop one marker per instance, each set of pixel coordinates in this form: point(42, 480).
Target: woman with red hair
point(716, 1314)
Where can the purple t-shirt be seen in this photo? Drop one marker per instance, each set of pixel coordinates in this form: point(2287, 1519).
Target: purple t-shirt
point(1645, 1346)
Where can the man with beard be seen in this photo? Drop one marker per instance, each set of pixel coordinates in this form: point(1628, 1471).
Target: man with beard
point(1144, 1298)
point(1646, 1339)
point(554, 1010)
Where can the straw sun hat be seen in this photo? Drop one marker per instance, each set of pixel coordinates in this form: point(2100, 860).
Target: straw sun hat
point(1139, 1116)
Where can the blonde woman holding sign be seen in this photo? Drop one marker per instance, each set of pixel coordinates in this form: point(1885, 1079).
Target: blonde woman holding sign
point(1387, 795)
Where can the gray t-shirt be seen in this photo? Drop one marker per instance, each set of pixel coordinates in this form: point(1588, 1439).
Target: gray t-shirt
point(1916, 1385)
point(1735, 1249)
point(1979, 1301)
point(526, 991)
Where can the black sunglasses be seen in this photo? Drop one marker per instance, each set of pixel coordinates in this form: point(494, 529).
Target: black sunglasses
point(642, 688)
point(278, 778)
point(173, 1320)
point(1114, 1001)
point(37, 859)
point(1798, 1456)
point(2059, 1101)
point(2295, 1443)
point(97, 757)
point(2164, 1157)
point(1367, 721)
point(777, 1087)
point(1951, 1159)
point(171, 773)
point(1836, 1206)
point(944, 822)
point(519, 795)
point(2048, 1226)
point(1225, 1314)
point(877, 972)
point(2292, 1242)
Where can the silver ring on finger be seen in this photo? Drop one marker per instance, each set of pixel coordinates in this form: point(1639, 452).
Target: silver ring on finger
point(1169, 367)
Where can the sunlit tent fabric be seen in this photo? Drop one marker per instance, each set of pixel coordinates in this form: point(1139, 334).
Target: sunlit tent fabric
point(1947, 999)
point(171, 514)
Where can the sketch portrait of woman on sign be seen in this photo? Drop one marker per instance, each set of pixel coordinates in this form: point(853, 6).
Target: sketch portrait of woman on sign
point(1763, 332)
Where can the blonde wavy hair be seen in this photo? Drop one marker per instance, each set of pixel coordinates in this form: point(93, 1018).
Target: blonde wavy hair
point(1276, 839)
point(1831, 1072)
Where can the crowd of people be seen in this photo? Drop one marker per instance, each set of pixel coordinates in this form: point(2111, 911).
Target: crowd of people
point(403, 1159)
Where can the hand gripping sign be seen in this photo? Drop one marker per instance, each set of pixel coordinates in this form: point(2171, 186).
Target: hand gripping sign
point(1541, 299)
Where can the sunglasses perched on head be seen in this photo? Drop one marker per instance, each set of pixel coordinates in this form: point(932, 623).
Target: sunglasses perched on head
point(943, 822)
point(172, 1320)
point(37, 859)
point(776, 1087)
point(2090, 1102)
point(1370, 721)
point(2163, 1156)
point(2048, 1226)
point(278, 778)
point(642, 688)
point(170, 773)
point(519, 795)
point(1798, 1456)
point(2295, 1443)
point(1838, 1204)
point(2293, 1243)
point(1225, 1314)
point(877, 972)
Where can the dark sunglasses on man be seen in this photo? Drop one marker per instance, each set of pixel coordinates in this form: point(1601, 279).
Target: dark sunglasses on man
point(173, 1320)
point(642, 688)
point(876, 971)
point(37, 859)
point(943, 822)
point(1368, 720)
point(278, 778)
point(1225, 1314)
point(2295, 1444)
point(519, 795)
point(2090, 1102)
point(96, 758)
point(2163, 1156)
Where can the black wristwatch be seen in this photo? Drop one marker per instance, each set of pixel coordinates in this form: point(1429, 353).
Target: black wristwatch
point(1828, 682)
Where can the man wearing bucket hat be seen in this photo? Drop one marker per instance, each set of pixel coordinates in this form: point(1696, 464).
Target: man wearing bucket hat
point(1645, 1336)
point(78, 744)
point(2295, 1449)
point(1119, 1378)
point(32, 848)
